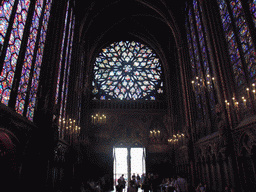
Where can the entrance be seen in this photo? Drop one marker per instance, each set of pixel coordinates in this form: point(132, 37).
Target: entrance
point(128, 161)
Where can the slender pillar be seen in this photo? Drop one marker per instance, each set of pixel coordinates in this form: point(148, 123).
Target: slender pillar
point(219, 176)
point(213, 175)
point(129, 165)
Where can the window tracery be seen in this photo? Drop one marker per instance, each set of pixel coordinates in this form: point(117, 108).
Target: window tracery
point(127, 71)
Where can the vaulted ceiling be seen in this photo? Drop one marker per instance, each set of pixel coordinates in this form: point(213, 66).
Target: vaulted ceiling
point(156, 23)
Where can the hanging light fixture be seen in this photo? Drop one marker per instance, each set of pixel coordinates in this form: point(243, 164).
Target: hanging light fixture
point(99, 119)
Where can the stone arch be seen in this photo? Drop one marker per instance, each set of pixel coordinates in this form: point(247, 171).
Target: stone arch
point(246, 142)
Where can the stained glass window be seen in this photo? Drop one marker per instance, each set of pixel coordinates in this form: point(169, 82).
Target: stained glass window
point(38, 62)
point(61, 55)
point(65, 60)
point(246, 51)
point(196, 67)
point(12, 52)
point(127, 71)
point(244, 37)
point(202, 78)
point(253, 11)
point(69, 64)
point(66, 68)
point(5, 13)
point(206, 73)
point(22, 90)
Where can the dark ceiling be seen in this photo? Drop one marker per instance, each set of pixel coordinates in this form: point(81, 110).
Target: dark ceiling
point(150, 22)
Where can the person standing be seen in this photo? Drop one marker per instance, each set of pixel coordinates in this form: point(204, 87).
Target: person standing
point(146, 184)
point(142, 178)
point(132, 187)
point(123, 182)
point(119, 187)
point(181, 184)
point(138, 179)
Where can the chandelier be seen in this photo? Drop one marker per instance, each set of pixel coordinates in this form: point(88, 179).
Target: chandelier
point(99, 119)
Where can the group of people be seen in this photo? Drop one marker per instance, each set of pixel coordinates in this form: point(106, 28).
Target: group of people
point(152, 182)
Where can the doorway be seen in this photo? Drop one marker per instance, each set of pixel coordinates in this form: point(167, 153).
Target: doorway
point(128, 161)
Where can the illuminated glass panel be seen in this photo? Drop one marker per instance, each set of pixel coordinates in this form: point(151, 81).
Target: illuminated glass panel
point(5, 13)
point(22, 90)
point(232, 44)
point(127, 70)
point(12, 52)
point(69, 64)
point(65, 76)
point(38, 62)
point(202, 44)
point(245, 37)
point(253, 11)
point(61, 55)
point(201, 102)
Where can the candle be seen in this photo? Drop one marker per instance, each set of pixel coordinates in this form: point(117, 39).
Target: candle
point(193, 85)
point(248, 94)
point(236, 104)
point(244, 102)
point(253, 93)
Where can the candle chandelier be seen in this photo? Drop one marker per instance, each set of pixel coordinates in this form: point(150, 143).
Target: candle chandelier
point(199, 83)
point(69, 129)
point(176, 138)
point(245, 101)
point(99, 119)
point(155, 133)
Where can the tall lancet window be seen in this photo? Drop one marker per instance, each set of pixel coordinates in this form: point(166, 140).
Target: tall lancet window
point(13, 49)
point(21, 71)
point(64, 68)
point(202, 74)
point(241, 48)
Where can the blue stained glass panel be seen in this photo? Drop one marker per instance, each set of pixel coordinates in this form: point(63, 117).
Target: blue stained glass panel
point(22, 90)
point(38, 62)
point(244, 36)
point(65, 76)
point(5, 13)
point(232, 44)
point(13, 50)
point(253, 11)
point(61, 56)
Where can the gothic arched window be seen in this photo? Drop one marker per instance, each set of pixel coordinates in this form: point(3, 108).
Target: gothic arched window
point(202, 74)
point(24, 75)
point(64, 67)
point(240, 46)
point(127, 71)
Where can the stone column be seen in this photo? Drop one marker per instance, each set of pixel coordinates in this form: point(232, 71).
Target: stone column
point(213, 176)
point(129, 165)
point(219, 175)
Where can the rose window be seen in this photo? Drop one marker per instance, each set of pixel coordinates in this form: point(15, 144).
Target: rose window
point(127, 71)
